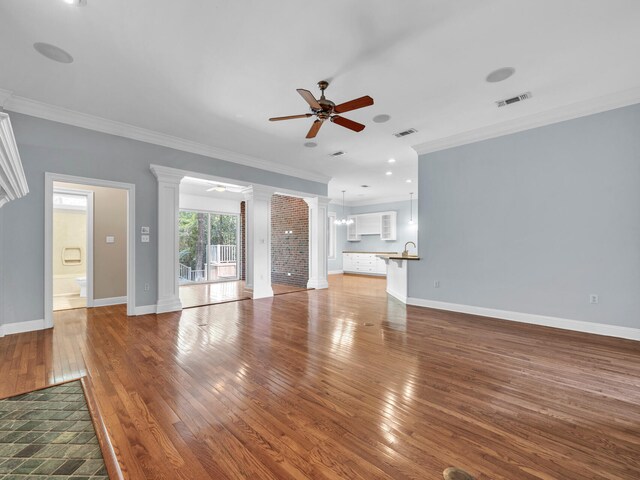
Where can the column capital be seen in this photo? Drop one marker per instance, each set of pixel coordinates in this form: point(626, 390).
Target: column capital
point(167, 174)
point(258, 192)
point(317, 201)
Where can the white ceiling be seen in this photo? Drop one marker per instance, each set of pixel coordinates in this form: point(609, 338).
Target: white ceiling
point(213, 71)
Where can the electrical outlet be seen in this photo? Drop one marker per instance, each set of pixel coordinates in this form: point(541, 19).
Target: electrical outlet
point(436, 284)
point(593, 298)
point(146, 287)
point(288, 274)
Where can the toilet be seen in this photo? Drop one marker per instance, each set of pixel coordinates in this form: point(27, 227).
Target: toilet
point(82, 282)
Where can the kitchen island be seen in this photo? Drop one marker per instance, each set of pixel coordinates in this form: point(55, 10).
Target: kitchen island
point(398, 275)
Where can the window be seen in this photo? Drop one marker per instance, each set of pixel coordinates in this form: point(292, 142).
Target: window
point(332, 235)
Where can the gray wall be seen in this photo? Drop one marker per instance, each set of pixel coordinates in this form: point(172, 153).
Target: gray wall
point(536, 221)
point(47, 146)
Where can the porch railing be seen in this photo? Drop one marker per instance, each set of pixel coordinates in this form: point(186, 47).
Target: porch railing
point(220, 254)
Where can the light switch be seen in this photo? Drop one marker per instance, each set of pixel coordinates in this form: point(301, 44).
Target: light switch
point(144, 230)
point(144, 238)
point(111, 239)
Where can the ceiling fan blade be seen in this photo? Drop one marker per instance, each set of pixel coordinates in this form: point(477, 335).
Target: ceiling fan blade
point(345, 122)
point(361, 102)
point(291, 117)
point(309, 98)
point(313, 131)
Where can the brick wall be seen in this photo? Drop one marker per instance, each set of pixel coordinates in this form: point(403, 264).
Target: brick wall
point(289, 251)
point(243, 241)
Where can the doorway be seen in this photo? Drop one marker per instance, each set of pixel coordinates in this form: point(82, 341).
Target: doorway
point(116, 283)
point(209, 244)
point(73, 248)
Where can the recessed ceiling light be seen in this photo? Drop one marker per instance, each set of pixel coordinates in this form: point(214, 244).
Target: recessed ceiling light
point(500, 75)
point(77, 3)
point(310, 144)
point(389, 173)
point(53, 53)
point(392, 160)
point(408, 180)
point(383, 117)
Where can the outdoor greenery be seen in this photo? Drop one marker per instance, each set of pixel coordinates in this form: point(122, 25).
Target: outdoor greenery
point(192, 227)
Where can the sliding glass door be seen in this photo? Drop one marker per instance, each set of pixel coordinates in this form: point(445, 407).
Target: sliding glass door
point(209, 246)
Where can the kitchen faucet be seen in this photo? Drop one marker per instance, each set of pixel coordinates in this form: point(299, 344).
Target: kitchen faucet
point(405, 253)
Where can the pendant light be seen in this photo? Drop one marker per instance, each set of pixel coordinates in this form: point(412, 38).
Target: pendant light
point(344, 220)
point(411, 222)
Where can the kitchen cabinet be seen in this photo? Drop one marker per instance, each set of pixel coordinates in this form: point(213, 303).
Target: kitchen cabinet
point(363, 263)
point(379, 223)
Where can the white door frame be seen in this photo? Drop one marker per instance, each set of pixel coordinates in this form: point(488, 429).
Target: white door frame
point(89, 247)
point(49, 178)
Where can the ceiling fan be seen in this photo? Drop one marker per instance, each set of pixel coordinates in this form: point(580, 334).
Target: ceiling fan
point(325, 109)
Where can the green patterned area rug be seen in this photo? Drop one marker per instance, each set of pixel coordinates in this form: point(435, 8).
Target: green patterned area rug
point(49, 434)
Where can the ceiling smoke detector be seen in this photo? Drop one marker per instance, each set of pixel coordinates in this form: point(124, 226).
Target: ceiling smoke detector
point(509, 101)
point(404, 133)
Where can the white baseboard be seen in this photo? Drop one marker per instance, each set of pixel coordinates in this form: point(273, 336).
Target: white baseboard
point(402, 298)
point(21, 327)
point(105, 302)
point(146, 310)
point(556, 322)
point(335, 272)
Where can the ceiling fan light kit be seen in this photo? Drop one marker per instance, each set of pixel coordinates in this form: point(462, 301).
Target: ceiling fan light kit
point(324, 109)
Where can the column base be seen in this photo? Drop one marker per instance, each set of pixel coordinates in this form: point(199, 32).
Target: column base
point(317, 283)
point(168, 305)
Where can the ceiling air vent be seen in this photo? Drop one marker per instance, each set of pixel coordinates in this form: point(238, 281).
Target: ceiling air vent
point(404, 133)
point(337, 154)
point(509, 101)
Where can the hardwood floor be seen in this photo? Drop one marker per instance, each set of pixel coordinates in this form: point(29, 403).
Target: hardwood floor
point(199, 294)
point(343, 383)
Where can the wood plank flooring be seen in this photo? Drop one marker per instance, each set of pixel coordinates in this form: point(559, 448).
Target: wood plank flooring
point(344, 383)
point(199, 294)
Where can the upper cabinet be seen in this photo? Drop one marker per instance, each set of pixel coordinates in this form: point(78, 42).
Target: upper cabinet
point(13, 183)
point(379, 223)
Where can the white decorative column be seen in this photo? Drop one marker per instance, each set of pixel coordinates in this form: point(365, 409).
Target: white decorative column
point(168, 209)
point(318, 242)
point(258, 225)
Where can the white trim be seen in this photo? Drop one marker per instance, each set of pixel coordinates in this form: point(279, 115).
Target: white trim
point(399, 296)
point(179, 172)
point(555, 322)
point(548, 117)
point(146, 310)
point(105, 302)
point(49, 178)
point(89, 247)
point(335, 272)
point(13, 183)
point(380, 200)
point(21, 327)
point(91, 122)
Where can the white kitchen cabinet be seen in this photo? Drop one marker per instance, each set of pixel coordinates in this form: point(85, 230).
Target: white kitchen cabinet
point(388, 226)
point(363, 263)
point(378, 223)
point(352, 229)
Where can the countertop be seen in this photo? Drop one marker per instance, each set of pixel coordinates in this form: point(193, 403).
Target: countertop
point(400, 257)
point(372, 253)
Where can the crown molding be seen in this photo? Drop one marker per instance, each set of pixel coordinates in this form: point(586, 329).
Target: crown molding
point(54, 113)
point(548, 117)
point(374, 201)
point(13, 182)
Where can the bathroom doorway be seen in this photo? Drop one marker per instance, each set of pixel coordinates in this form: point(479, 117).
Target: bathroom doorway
point(109, 262)
point(72, 261)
